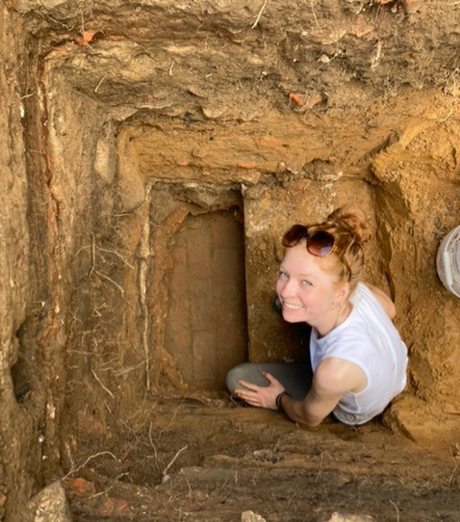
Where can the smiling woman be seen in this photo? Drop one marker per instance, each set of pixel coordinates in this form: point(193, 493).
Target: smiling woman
point(357, 356)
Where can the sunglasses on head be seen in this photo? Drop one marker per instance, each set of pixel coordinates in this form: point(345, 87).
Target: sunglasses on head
point(319, 243)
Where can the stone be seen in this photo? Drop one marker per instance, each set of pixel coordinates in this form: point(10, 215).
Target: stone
point(250, 516)
point(50, 505)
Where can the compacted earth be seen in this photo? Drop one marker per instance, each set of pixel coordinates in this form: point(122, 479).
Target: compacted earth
point(211, 459)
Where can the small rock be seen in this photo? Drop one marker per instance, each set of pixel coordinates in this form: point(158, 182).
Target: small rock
point(213, 112)
point(313, 100)
point(199, 152)
point(249, 516)
point(265, 454)
point(50, 505)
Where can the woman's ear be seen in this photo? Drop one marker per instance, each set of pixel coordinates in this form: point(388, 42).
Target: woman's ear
point(343, 292)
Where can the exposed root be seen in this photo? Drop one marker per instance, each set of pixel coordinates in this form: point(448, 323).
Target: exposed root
point(314, 14)
point(172, 462)
point(154, 447)
point(397, 510)
point(75, 470)
point(102, 384)
point(143, 272)
point(254, 25)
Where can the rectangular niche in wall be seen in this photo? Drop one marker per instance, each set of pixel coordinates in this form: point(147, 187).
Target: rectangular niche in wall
point(206, 323)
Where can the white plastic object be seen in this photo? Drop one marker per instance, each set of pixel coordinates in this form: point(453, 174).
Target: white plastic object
point(448, 261)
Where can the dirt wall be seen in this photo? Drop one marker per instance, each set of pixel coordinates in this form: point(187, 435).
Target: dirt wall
point(122, 120)
point(17, 431)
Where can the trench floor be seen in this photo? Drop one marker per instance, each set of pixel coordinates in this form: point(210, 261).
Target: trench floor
point(213, 460)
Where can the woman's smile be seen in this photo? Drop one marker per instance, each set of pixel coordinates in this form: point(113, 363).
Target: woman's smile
point(291, 306)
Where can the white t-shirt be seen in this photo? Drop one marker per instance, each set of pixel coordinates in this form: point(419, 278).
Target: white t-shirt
point(368, 339)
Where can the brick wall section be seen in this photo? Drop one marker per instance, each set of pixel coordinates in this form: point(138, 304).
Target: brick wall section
point(206, 328)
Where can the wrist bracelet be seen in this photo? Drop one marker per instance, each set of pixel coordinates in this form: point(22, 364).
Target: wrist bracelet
point(278, 399)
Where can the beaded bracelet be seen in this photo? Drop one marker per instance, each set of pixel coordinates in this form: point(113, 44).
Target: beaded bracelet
point(278, 399)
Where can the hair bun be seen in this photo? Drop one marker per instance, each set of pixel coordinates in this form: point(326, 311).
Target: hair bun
point(351, 219)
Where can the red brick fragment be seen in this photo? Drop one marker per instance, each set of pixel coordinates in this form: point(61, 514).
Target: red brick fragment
point(361, 27)
point(90, 426)
point(85, 38)
point(113, 506)
point(297, 98)
point(78, 486)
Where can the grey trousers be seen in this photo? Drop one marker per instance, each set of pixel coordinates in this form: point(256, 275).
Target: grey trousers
point(295, 377)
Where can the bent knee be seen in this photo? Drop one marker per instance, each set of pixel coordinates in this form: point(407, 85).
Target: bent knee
point(241, 372)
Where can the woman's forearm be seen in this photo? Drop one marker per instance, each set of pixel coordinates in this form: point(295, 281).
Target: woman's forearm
point(297, 412)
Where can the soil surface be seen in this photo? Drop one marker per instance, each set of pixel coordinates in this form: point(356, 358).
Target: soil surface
point(212, 460)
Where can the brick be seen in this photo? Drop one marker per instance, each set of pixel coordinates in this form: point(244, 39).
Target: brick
point(361, 27)
point(90, 426)
point(228, 272)
point(178, 334)
point(200, 271)
point(204, 346)
point(202, 305)
point(178, 331)
point(200, 253)
point(113, 506)
point(226, 231)
point(297, 98)
point(179, 279)
point(85, 38)
point(78, 486)
point(179, 254)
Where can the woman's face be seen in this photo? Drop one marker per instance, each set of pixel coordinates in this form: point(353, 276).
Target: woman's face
point(308, 293)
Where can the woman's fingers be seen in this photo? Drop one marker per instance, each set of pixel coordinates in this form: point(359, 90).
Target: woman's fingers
point(270, 378)
point(260, 396)
point(245, 394)
point(249, 396)
point(249, 386)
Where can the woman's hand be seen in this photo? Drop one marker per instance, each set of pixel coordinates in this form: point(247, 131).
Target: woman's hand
point(261, 396)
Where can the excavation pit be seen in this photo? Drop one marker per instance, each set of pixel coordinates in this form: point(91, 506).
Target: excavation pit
point(153, 154)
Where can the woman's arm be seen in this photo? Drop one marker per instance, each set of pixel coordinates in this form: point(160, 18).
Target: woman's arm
point(332, 379)
point(384, 300)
